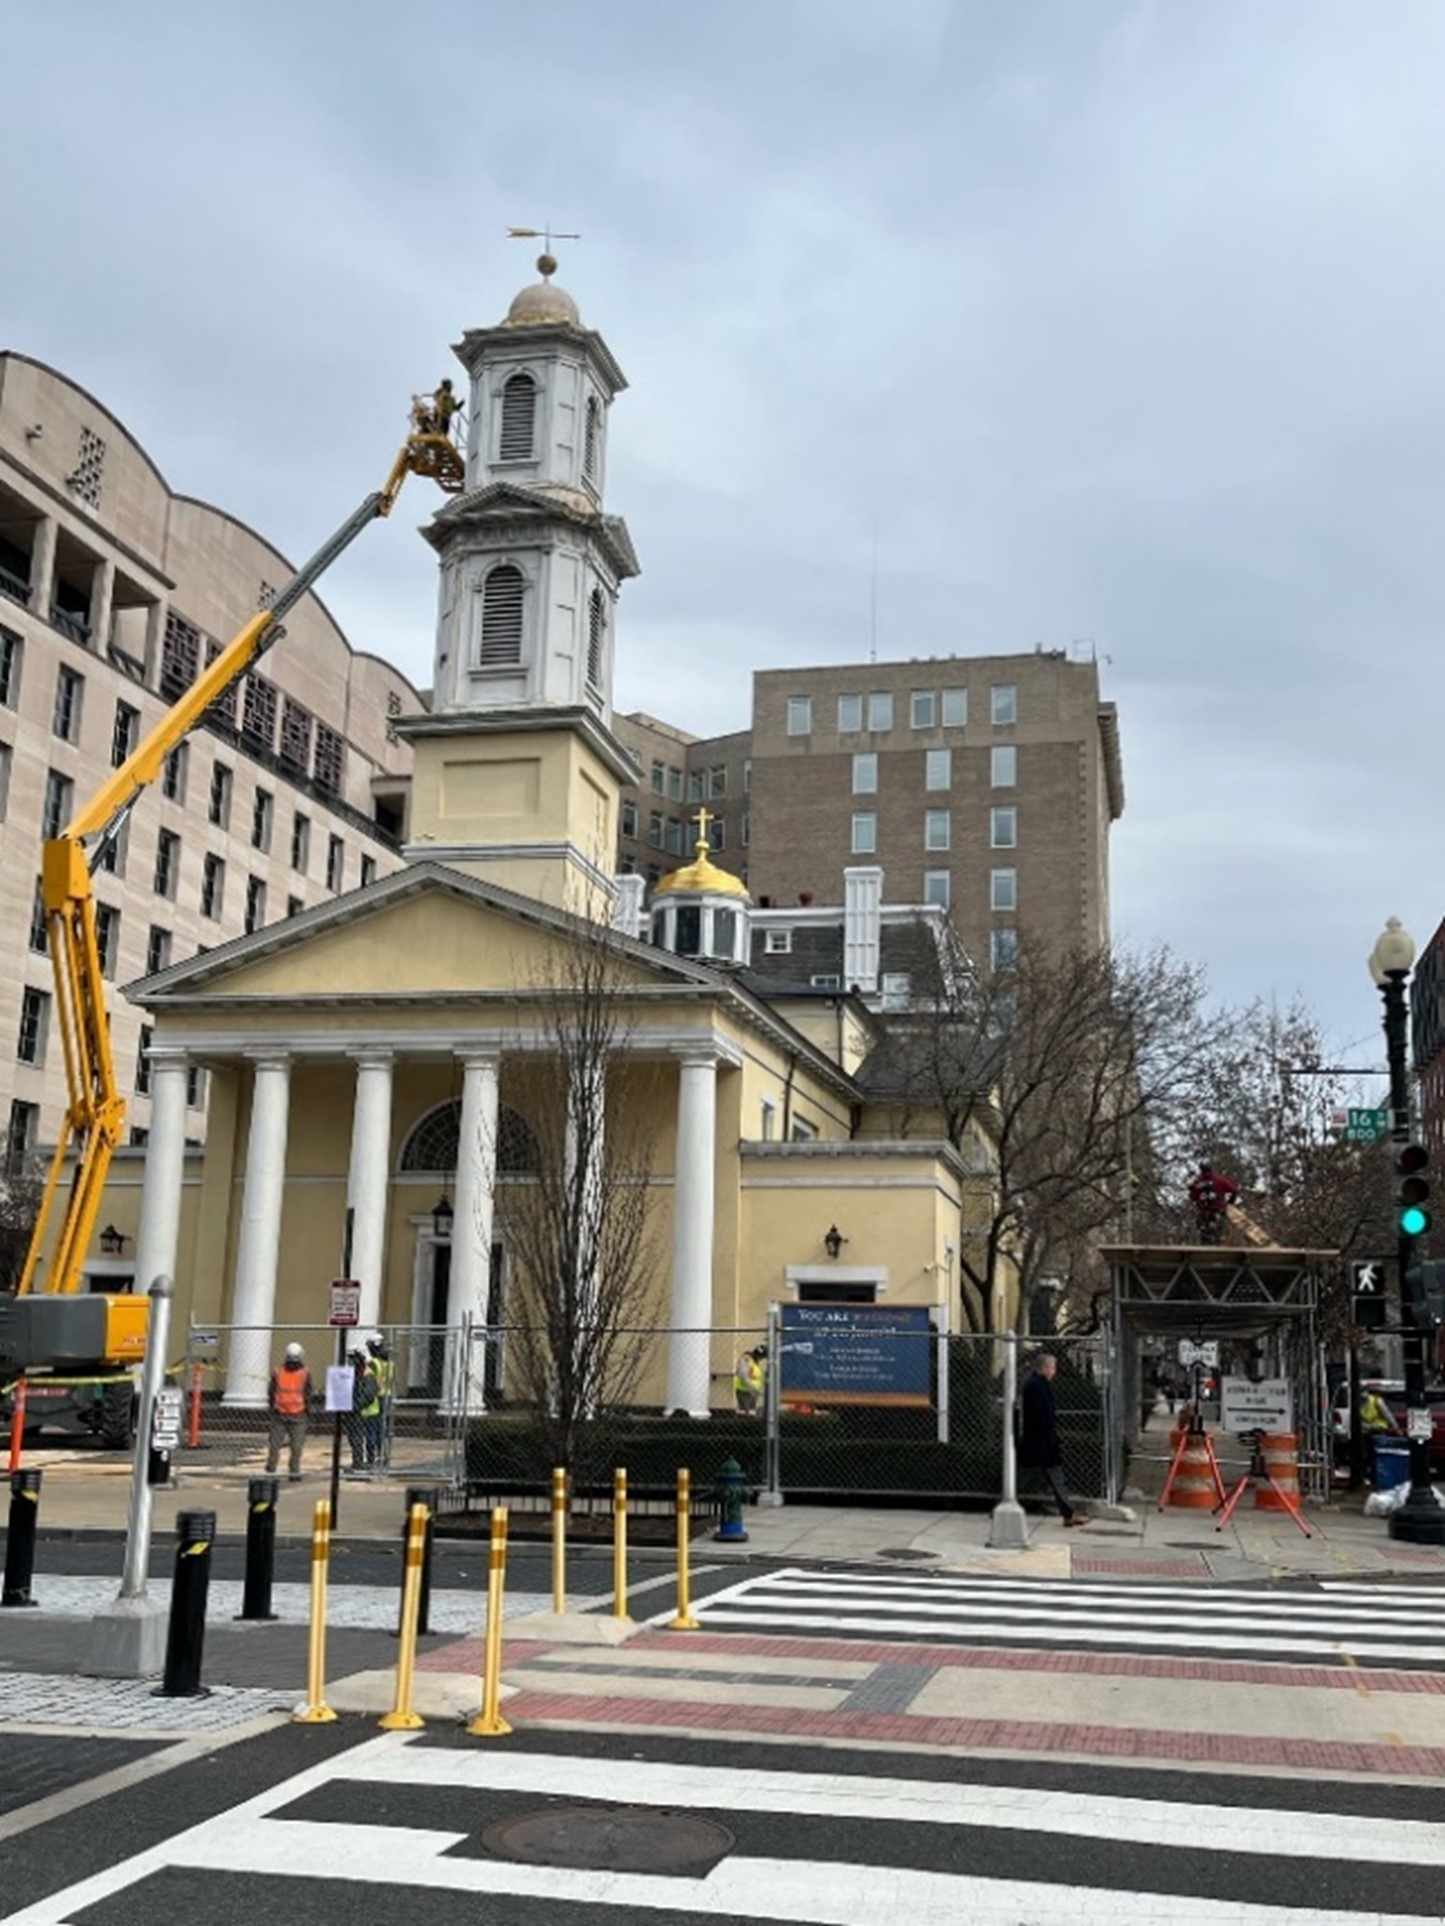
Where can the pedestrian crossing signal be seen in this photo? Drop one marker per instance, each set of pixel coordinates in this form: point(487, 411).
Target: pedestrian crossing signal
point(1412, 1191)
point(1367, 1293)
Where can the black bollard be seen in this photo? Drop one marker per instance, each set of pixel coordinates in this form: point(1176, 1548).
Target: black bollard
point(20, 1538)
point(260, 1549)
point(186, 1633)
point(419, 1495)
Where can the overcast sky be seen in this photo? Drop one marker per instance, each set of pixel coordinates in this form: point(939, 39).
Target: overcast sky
point(1120, 322)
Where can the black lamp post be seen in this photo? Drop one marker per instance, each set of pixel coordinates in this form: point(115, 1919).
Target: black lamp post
point(112, 1241)
point(833, 1240)
point(441, 1216)
point(1421, 1519)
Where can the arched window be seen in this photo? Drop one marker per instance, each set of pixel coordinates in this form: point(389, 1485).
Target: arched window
point(592, 438)
point(519, 418)
point(432, 1146)
point(596, 636)
point(503, 604)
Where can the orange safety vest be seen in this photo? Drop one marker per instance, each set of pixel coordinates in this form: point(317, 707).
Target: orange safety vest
point(288, 1390)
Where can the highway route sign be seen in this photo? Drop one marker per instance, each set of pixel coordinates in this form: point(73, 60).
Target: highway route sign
point(1367, 1126)
point(345, 1304)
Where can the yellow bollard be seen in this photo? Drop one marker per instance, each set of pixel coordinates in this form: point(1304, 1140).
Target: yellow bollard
point(489, 1723)
point(619, 1544)
point(401, 1717)
point(316, 1711)
point(684, 1622)
point(559, 1540)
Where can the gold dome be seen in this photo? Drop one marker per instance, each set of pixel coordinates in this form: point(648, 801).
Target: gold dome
point(702, 876)
point(544, 302)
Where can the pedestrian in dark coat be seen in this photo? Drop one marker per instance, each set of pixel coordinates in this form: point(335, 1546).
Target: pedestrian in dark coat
point(1039, 1448)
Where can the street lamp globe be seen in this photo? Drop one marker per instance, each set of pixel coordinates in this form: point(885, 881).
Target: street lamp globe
point(1393, 953)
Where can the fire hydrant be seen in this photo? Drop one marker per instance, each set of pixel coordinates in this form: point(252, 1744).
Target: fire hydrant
point(731, 1488)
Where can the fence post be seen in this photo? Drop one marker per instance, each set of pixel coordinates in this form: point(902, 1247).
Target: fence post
point(559, 1540)
point(943, 1353)
point(1008, 1529)
point(771, 1495)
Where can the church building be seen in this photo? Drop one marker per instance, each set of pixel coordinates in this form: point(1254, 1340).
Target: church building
point(382, 1050)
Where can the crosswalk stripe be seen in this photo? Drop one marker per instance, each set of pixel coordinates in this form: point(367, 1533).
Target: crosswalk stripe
point(1362, 1600)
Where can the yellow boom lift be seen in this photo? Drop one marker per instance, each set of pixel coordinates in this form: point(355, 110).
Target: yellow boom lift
point(78, 1349)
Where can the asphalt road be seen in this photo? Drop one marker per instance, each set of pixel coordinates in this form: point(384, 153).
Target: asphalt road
point(809, 1835)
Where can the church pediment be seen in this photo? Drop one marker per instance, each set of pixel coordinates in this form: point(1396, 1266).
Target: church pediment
point(528, 512)
point(425, 932)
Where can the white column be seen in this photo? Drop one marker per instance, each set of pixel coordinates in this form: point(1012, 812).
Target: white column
point(472, 1226)
point(102, 593)
point(369, 1178)
point(689, 1348)
point(160, 1204)
point(253, 1302)
point(42, 567)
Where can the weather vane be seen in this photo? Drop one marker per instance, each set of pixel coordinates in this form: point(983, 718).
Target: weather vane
point(546, 235)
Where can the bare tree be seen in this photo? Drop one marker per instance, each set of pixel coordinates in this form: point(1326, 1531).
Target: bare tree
point(580, 1230)
point(20, 1195)
point(1050, 1078)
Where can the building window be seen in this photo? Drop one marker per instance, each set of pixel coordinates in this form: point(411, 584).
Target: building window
point(300, 841)
point(717, 832)
point(954, 705)
point(11, 651)
point(168, 863)
point(696, 782)
point(1003, 889)
point(503, 604)
point(107, 936)
point(937, 887)
point(143, 1060)
point(937, 829)
point(880, 710)
point(195, 1087)
point(219, 808)
point(800, 715)
point(330, 763)
point(1003, 949)
point(654, 829)
point(828, 982)
point(865, 833)
point(58, 793)
point(897, 989)
point(803, 1132)
point(213, 886)
point(296, 726)
point(629, 821)
point(745, 832)
point(717, 781)
point(865, 774)
point(86, 477)
point(1005, 702)
point(158, 950)
point(674, 783)
point(674, 836)
point(519, 419)
point(20, 1136)
point(34, 1023)
point(180, 655)
point(659, 778)
point(39, 927)
point(125, 734)
point(777, 942)
point(294, 905)
point(1004, 766)
point(335, 862)
point(920, 709)
point(1003, 827)
point(110, 856)
point(747, 775)
point(591, 437)
point(263, 811)
point(596, 636)
point(850, 714)
point(938, 769)
point(69, 694)
point(393, 710)
point(258, 713)
point(368, 871)
point(7, 756)
point(174, 772)
point(255, 904)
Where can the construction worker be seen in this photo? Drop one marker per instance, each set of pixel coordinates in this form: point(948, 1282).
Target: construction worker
point(444, 405)
point(384, 1365)
point(365, 1409)
point(748, 1379)
point(1211, 1193)
point(1376, 1417)
point(290, 1399)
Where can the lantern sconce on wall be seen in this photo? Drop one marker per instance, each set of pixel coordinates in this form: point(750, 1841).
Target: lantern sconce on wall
point(833, 1240)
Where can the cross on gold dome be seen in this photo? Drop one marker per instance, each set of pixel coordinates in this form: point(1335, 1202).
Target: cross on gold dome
point(703, 817)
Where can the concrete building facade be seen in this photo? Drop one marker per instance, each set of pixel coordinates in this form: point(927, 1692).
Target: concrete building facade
point(114, 592)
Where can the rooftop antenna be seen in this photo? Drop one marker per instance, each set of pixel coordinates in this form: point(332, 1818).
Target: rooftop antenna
point(873, 596)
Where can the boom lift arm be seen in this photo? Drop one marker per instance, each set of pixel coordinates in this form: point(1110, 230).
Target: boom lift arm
point(94, 1120)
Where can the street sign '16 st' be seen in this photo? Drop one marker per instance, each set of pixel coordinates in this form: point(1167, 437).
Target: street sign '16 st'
point(1366, 1126)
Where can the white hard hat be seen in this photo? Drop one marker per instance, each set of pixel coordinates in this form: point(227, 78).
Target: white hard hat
point(294, 1351)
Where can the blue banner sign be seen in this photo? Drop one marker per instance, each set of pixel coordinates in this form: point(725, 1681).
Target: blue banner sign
point(856, 1354)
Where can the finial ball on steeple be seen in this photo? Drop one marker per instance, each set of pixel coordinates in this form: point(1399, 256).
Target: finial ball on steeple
point(546, 265)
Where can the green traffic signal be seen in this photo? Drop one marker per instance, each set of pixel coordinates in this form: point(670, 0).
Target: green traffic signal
point(1412, 1190)
point(1414, 1222)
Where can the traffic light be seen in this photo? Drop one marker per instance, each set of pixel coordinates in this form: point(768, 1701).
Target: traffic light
point(1412, 1191)
point(1367, 1293)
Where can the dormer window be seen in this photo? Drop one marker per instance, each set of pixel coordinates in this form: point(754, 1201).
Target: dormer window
point(519, 419)
point(591, 439)
point(503, 602)
point(596, 636)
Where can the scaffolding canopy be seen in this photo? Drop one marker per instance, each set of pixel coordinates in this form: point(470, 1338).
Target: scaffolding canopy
point(1214, 1290)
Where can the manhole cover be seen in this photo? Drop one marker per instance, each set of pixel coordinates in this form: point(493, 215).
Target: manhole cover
point(611, 1839)
point(907, 1555)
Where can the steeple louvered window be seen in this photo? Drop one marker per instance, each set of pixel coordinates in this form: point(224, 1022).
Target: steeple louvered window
point(591, 438)
point(596, 636)
point(503, 605)
point(519, 418)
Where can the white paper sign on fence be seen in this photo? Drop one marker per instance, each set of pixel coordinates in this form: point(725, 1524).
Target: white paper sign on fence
point(340, 1383)
point(1266, 1406)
